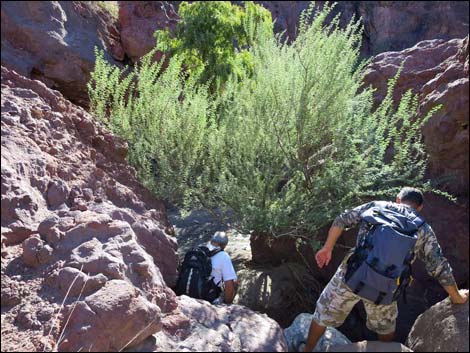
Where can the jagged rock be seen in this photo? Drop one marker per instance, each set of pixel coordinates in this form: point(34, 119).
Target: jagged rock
point(298, 332)
point(116, 316)
point(89, 255)
point(441, 328)
point(57, 193)
point(11, 293)
point(35, 252)
point(154, 241)
point(27, 318)
point(72, 281)
point(370, 346)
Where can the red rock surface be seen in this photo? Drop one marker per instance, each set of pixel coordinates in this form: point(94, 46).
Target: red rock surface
point(437, 71)
point(54, 41)
point(70, 204)
point(388, 25)
point(139, 20)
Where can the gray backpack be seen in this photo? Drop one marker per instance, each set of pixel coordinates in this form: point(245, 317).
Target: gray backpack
point(380, 267)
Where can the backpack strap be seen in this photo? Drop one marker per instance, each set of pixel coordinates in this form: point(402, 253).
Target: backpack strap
point(359, 287)
point(214, 252)
point(209, 253)
point(380, 297)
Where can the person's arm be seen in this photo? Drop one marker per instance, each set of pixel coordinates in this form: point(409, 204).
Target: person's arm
point(230, 279)
point(323, 256)
point(456, 296)
point(345, 220)
point(437, 266)
point(229, 291)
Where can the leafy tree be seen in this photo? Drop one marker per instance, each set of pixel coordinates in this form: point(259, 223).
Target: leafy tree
point(215, 35)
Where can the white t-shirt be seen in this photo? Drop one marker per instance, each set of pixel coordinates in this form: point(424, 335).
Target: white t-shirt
point(222, 267)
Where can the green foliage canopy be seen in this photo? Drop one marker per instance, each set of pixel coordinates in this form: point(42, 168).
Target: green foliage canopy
point(215, 35)
point(285, 148)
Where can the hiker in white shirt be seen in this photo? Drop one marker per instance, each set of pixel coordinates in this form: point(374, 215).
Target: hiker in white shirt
point(223, 274)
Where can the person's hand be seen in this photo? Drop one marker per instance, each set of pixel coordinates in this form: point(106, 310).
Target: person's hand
point(323, 256)
point(461, 299)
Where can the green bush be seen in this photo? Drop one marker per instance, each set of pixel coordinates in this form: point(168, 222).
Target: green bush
point(285, 148)
point(164, 116)
point(299, 140)
point(215, 36)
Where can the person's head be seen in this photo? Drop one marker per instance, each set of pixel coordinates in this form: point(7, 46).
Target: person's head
point(412, 197)
point(220, 239)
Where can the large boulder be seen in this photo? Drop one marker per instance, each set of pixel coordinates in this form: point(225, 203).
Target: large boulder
point(441, 328)
point(55, 41)
point(111, 319)
point(200, 326)
point(298, 333)
point(282, 291)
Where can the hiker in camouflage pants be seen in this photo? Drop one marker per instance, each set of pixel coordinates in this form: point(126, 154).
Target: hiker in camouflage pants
point(337, 299)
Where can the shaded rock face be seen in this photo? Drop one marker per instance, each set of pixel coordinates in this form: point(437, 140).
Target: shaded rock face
point(87, 262)
point(442, 328)
point(54, 41)
point(200, 326)
point(139, 20)
point(388, 25)
point(298, 333)
point(279, 291)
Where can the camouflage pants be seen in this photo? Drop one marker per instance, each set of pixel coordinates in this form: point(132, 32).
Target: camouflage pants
point(337, 300)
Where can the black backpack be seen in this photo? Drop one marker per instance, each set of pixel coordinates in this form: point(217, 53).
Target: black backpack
point(195, 276)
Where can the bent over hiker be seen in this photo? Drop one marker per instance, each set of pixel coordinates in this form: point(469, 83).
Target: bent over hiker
point(391, 236)
point(207, 272)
